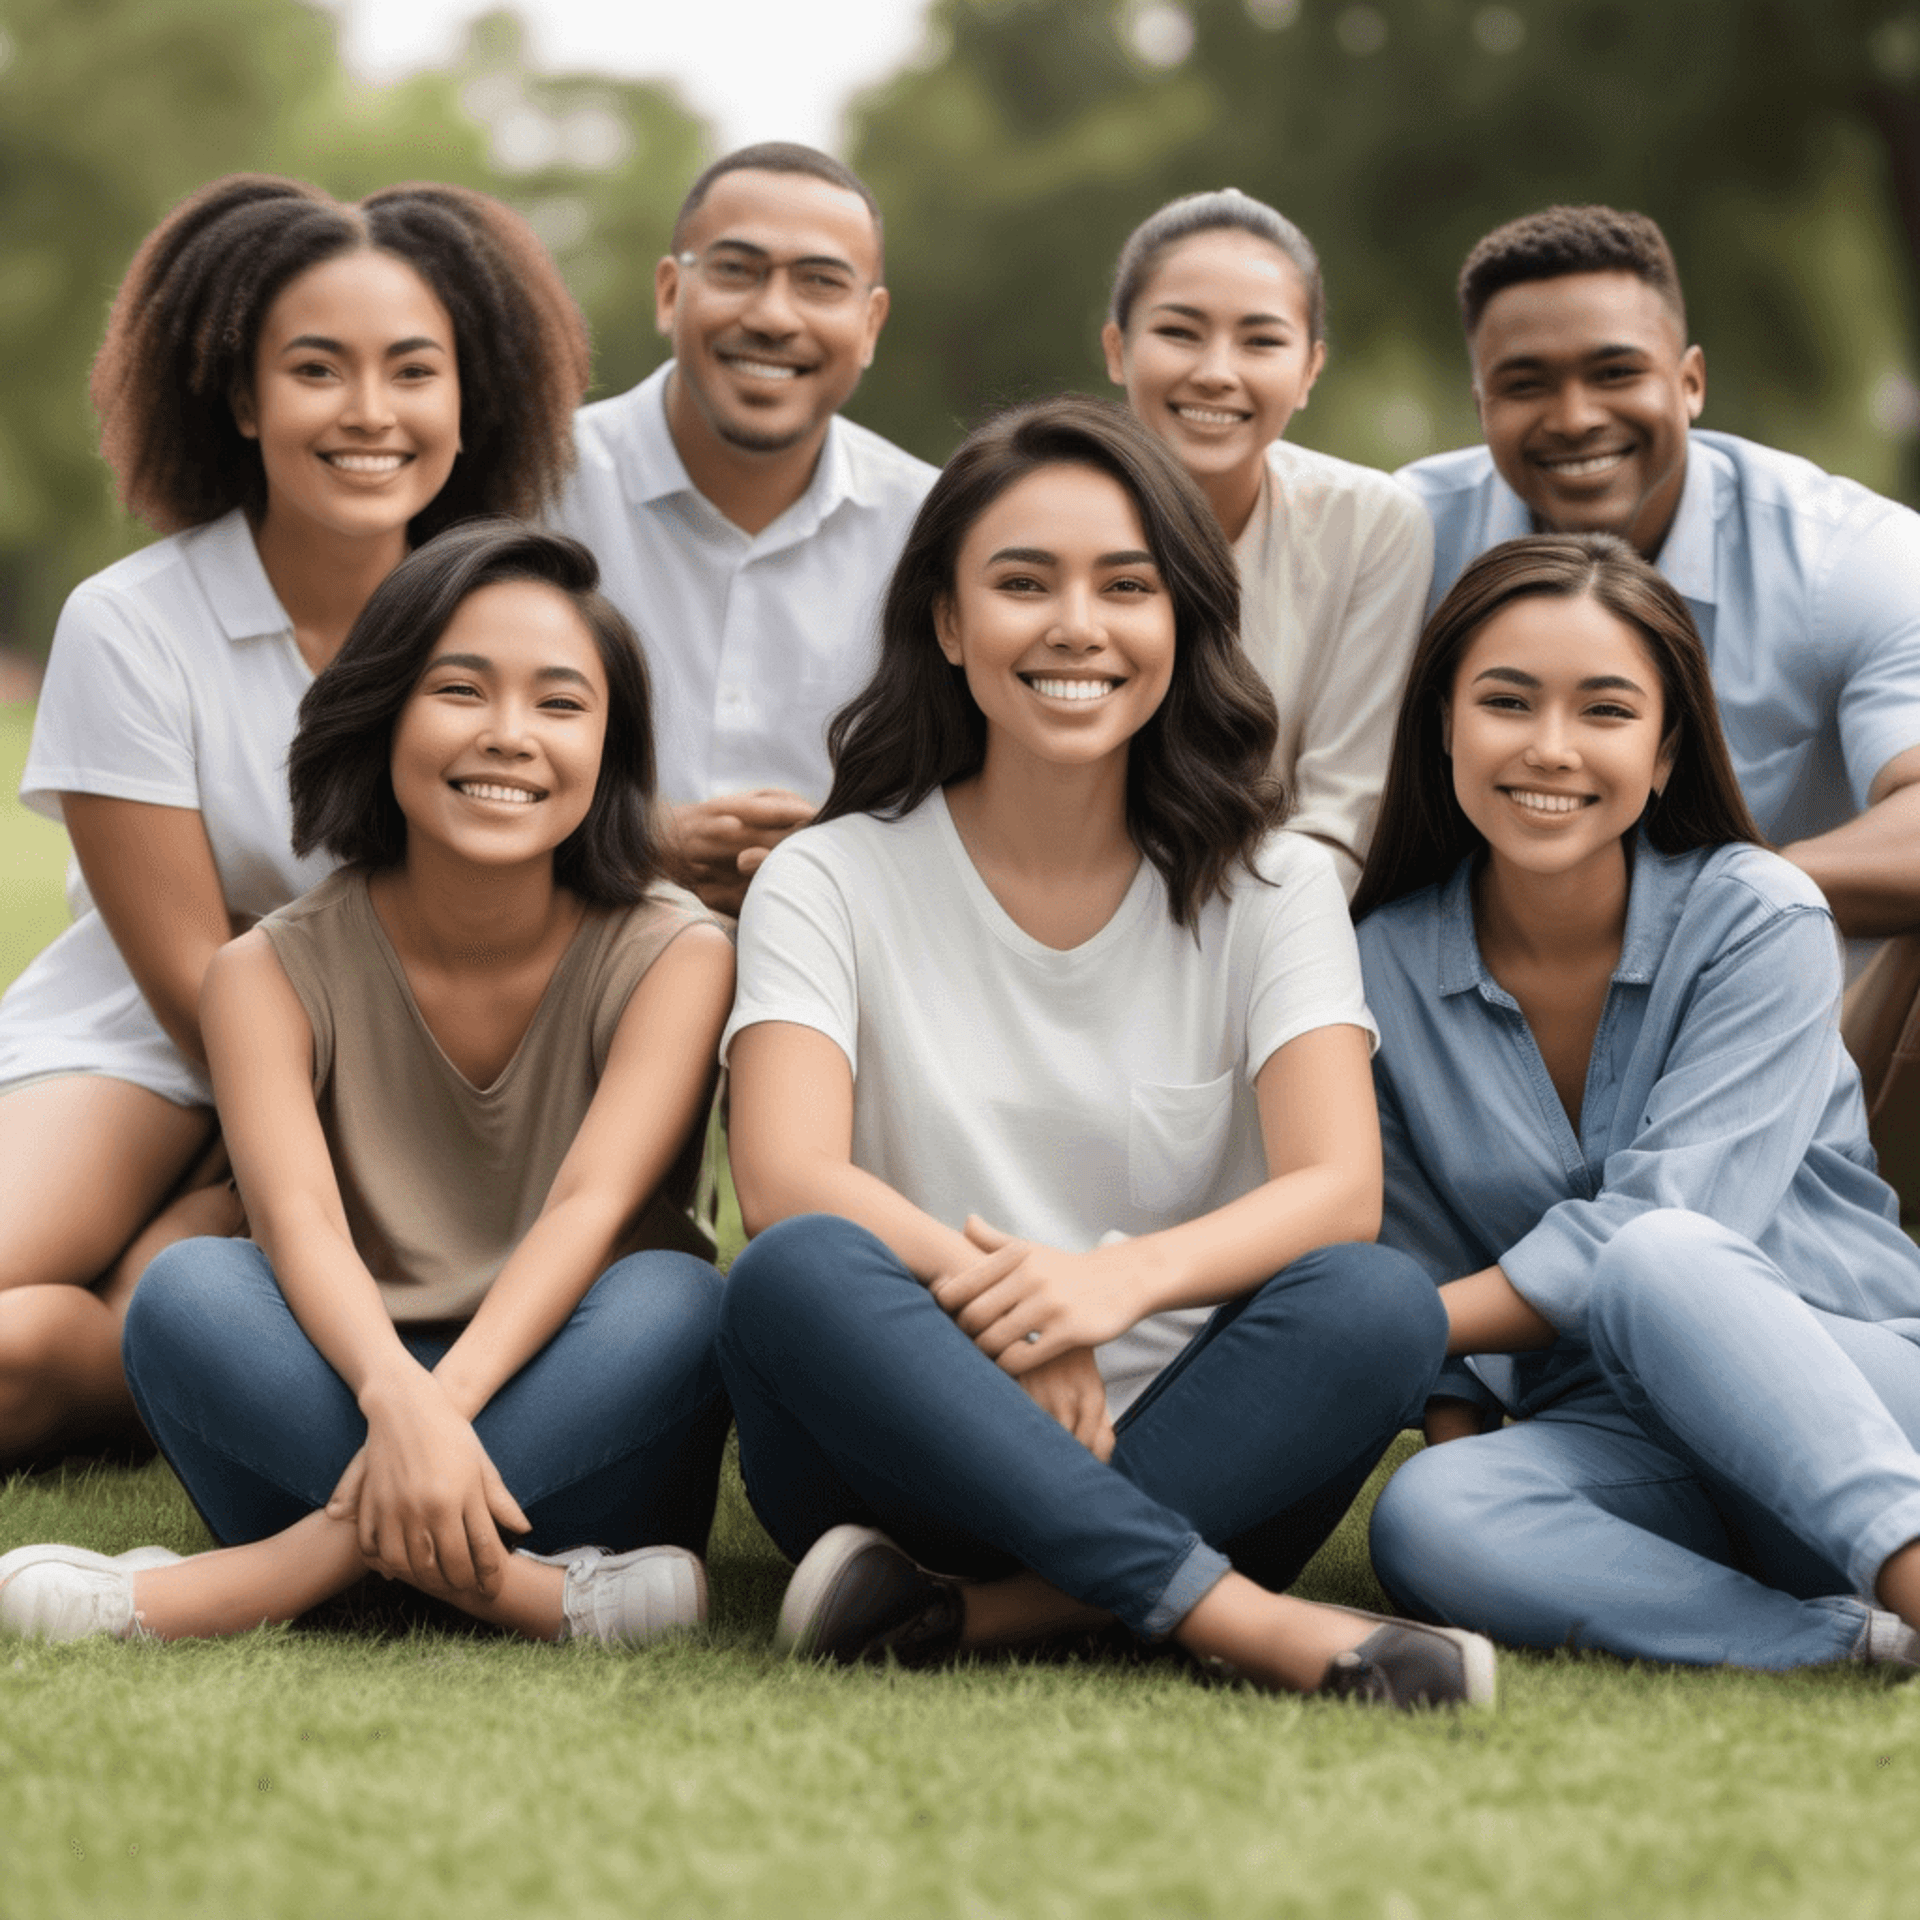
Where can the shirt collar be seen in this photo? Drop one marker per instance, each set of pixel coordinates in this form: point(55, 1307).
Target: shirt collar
point(1656, 896)
point(227, 564)
point(659, 473)
point(1689, 556)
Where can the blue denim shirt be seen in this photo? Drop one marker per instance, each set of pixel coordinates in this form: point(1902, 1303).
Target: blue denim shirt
point(1718, 1084)
point(1805, 588)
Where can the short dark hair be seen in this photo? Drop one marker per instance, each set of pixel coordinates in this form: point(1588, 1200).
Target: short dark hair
point(780, 156)
point(1201, 794)
point(339, 769)
point(1422, 834)
point(185, 327)
point(1562, 240)
point(1157, 235)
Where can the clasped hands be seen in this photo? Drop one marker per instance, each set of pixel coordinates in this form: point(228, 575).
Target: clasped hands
point(1073, 1302)
point(427, 1502)
point(716, 846)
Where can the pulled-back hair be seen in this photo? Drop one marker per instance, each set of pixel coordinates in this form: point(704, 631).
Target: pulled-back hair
point(1563, 240)
point(1157, 235)
point(1422, 833)
point(185, 328)
point(340, 771)
point(779, 156)
point(1200, 791)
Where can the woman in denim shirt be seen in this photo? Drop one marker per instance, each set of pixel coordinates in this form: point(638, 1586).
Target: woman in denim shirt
point(1621, 1129)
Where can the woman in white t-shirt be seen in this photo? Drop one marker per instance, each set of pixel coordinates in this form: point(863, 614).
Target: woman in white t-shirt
point(1036, 974)
point(1217, 330)
point(295, 391)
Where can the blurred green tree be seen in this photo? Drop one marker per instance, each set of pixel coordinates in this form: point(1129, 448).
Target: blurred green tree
point(1778, 141)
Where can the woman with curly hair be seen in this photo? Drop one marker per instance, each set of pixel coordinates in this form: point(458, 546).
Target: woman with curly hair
point(1052, 1122)
point(295, 392)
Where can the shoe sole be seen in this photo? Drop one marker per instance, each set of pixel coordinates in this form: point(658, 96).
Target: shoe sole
point(813, 1579)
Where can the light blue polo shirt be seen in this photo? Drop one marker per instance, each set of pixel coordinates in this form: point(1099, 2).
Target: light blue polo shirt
point(1806, 590)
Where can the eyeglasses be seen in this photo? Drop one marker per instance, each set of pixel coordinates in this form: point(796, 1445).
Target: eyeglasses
point(736, 275)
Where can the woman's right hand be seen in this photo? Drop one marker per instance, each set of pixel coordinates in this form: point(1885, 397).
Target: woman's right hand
point(1070, 1388)
point(428, 1502)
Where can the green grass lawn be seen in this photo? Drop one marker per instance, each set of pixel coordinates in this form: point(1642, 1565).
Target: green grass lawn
point(354, 1775)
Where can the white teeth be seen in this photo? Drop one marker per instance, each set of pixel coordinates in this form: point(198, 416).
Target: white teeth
point(1581, 469)
point(1547, 802)
point(1209, 417)
point(365, 462)
point(1073, 689)
point(486, 790)
point(763, 370)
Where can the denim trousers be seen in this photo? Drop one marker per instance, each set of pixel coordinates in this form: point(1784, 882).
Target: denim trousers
point(609, 1436)
point(1726, 1492)
point(859, 1400)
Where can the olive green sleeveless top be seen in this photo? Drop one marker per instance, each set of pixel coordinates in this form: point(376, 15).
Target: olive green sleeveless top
point(441, 1179)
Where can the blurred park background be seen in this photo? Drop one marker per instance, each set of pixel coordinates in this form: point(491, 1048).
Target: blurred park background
point(1778, 141)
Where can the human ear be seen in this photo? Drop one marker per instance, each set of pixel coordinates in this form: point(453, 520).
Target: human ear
point(244, 416)
point(1113, 343)
point(879, 305)
point(946, 629)
point(1663, 767)
point(1314, 365)
point(1693, 381)
point(1446, 728)
point(666, 292)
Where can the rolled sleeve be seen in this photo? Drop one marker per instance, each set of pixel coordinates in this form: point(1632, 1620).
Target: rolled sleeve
point(1730, 1119)
point(1870, 605)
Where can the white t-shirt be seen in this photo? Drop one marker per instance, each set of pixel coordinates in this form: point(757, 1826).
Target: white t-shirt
point(175, 680)
point(1334, 567)
point(1062, 1096)
point(752, 639)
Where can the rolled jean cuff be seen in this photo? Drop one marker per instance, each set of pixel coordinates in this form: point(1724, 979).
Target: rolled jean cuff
point(1193, 1579)
point(1898, 1527)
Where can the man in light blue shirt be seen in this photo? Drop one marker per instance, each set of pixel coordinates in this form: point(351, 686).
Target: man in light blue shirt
point(1805, 586)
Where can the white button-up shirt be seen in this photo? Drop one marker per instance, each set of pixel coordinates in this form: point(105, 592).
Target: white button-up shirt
point(752, 640)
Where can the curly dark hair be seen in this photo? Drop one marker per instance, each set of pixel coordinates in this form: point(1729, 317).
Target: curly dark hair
point(185, 327)
point(1422, 833)
point(1563, 240)
point(339, 768)
point(1201, 793)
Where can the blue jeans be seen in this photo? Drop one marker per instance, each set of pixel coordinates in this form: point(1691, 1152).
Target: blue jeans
point(1726, 1493)
point(859, 1400)
point(609, 1436)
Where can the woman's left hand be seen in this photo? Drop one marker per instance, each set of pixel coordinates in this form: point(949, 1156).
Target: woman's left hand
point(1046, 1304)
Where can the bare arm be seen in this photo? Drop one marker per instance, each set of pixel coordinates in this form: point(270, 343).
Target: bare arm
point(150, 871)
point(716, 846)
point(658, 1075)
point(1869, 868)
point(1486, 1315)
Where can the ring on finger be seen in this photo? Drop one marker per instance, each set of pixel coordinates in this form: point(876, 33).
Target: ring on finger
point(1033, 1337)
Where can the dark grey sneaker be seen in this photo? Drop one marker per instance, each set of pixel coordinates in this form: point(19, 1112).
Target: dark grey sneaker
point(1404, 1664)
point(857, 1598)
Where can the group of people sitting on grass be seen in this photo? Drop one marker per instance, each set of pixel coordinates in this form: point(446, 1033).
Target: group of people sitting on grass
point(1220, 978)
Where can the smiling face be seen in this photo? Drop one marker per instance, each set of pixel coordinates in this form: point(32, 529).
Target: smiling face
point(764, 358)
point(1218, 354)
point(496, 753)
point(1586, 388)
point(1555, 728)
point(355, 400)
point(1060, 619)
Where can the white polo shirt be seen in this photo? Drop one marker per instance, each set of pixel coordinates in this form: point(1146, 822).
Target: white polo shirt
point(752, 640)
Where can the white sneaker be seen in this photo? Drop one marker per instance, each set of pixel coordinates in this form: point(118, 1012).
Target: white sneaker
point(72, 1593)
point(1885, 1641)
point(628, 1599)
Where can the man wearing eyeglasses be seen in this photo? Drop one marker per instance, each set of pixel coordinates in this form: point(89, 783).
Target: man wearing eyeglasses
point(743, 527)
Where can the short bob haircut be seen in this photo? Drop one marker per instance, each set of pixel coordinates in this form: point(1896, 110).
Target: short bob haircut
point(185, 328)
point(1200, 792)
point(1558, 241)
point(339, 768)
point(1229, 209)
point(1422, 834)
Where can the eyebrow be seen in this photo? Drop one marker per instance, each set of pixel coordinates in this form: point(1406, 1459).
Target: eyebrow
point(1040, 557)
point(803, 260)
point(479, 663)
point(319, 342)
point(1610, 350)
point(1594, 683)
point(1245, 320)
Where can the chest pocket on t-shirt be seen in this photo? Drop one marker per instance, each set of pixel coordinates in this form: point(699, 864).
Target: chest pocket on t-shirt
point(1176, 1136)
